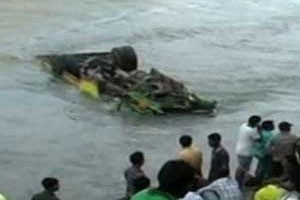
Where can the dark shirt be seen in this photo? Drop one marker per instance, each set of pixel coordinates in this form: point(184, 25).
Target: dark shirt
point(282, 145)
point(293, 173)
point(45, 195)
point(130, 175)
point(219, 163)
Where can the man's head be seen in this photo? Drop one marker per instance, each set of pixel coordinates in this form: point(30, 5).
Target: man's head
point(285, 127)
point(254, 120)
point(51, 184)
point(176, 177)
point(185, 141)
point(214, 140)
point(268, 125)
point(137, 158)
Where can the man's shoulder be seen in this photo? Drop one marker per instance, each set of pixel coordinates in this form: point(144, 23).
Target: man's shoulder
point(280, 138)
point(182, 151)
point(186, 151)
point(196, 149)
point(294, 136)
point(133, 172)
point(225, 181)
point(228, 181)
point(244, 126)
point(192, 150)
point(219, 181)
point(246, 129)
point(127, 170)
point(228, 187)
point(132, 169)
point(277, 137)
point(38, 196)
point(44, 196)
point(223, 152)
point(35, 197)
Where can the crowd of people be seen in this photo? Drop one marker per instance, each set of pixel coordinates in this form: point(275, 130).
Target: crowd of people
point(276, 177)
point(274, 154)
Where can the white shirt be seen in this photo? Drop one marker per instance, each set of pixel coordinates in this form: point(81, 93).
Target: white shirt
point(227, 188)
point(192, 196)
point(246, 140)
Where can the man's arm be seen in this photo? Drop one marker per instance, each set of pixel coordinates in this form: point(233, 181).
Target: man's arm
point(255, 135)
point(224, 160)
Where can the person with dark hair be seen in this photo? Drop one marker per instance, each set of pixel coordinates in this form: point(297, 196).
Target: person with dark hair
point(247, 138)
point(134, 172)
point(190, 153)
point(281, 146)
point(219, 158)
point(50, 185)
point(264, 167)
point(185, 141)
point(175, 179)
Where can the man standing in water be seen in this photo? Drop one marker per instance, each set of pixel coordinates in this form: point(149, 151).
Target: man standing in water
point(190, 154)
point(248, 135)
point(51, 185)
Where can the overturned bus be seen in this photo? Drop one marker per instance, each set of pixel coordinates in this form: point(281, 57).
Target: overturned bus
point(115, 75)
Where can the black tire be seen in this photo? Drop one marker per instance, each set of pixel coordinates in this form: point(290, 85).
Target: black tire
point(65, 63)
point(57, 65)
point(72, 65)
point(125, 58)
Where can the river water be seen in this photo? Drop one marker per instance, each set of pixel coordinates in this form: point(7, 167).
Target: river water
point(243, 53)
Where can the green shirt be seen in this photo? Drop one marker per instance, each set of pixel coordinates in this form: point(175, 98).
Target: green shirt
point(152, 194)
point(261, 147)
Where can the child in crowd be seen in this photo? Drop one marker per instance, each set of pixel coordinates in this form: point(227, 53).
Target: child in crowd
point(50, 185)
point(134, 172)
